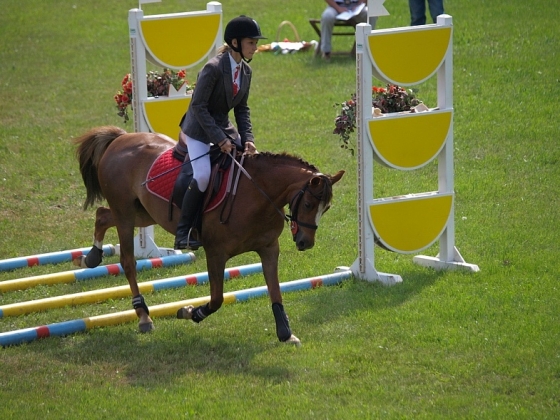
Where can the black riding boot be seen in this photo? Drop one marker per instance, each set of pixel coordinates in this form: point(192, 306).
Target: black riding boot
point(191, 205)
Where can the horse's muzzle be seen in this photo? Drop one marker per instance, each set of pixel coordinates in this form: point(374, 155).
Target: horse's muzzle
point(303, 242)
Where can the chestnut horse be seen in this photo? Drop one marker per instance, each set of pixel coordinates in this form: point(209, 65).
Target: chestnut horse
point(114, 165)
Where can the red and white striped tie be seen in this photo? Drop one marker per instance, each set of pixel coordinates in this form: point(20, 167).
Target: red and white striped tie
point(235, 85)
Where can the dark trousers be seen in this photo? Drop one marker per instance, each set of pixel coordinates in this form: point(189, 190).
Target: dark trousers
point(418, 11)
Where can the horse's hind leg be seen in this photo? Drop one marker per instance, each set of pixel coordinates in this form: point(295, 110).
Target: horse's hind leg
point(103, 221)
point(125, 229)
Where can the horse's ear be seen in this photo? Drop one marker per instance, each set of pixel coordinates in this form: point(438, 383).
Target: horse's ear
point(336, 177)
point(316, 180)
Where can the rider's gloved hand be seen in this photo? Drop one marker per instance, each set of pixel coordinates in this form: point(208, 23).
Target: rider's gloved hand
point(250, 149)
point(226, 146)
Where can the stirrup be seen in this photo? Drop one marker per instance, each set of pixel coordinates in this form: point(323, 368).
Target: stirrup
point(187, 243)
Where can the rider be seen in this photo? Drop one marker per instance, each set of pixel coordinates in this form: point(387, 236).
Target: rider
point(223, 84)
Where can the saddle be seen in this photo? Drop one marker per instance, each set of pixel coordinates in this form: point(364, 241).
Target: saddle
point(171, 173)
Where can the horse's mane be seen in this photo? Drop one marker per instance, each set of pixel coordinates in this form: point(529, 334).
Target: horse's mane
point(286, 158)
point(295, 161)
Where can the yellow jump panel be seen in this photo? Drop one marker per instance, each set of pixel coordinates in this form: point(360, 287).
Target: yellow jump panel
point(180, 41)
point(411, 224)
point(408, 57)
point(409, 141)
point(163, 115)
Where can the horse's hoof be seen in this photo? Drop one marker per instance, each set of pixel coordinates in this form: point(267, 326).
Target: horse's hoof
point(146, 327)
point(80, 261)
point(185, 312)
point(293, 340)
point(93, 257)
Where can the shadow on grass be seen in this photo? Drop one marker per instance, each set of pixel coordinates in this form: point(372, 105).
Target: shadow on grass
point(356, 295)
point(177, 350)
point(174, 352)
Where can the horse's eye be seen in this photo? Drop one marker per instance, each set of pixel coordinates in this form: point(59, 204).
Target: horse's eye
point(307, 205)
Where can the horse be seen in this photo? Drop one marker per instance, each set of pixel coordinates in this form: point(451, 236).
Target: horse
point(114, 166)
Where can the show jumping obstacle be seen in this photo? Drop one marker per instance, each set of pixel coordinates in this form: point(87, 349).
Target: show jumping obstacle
point(118, 292)
point(413, 222)
point(404, 224)
point(163, 310)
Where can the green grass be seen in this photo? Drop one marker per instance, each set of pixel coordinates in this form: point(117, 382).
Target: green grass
point(439, 345)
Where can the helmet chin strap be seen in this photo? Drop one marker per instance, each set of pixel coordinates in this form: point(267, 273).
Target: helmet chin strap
point(239, 50)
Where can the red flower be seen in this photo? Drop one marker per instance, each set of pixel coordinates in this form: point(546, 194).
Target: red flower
point(125, 79)
point(157, 85)
point(127, 87)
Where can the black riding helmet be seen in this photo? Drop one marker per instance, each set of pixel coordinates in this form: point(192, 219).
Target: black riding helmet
point(239, 28)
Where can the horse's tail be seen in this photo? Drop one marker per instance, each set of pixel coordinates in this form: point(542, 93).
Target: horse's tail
point(91, 147)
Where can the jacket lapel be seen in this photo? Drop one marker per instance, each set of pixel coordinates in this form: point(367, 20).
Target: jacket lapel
point(228, 79)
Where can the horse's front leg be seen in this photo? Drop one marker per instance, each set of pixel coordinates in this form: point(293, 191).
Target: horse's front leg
point(269, 259)
point(103, 221)
point(216, 266)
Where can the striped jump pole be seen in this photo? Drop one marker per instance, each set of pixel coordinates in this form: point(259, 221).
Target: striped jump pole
point(118, 292)
point(50, 258)
point(166, 309)
point(89, 273)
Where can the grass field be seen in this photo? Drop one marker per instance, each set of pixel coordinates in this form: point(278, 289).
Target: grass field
point(439, 345)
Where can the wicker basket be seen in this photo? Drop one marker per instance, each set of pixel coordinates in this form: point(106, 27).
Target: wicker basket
point(286, 46)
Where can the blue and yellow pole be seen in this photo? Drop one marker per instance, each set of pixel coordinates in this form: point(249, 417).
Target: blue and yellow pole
point(118, 292)
point(50, 258)
point(88, 273)
point(167, 309)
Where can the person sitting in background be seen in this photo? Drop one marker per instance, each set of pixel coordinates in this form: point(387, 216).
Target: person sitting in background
point(328, 19)
point(418, 11)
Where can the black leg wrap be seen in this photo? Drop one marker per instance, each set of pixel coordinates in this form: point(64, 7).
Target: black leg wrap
point(283, 330)
point(94, 257)
point(201, 312)
point(138, 302)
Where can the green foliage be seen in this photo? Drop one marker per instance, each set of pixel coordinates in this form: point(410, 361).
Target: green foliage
point(440, 345)
point(384, 100)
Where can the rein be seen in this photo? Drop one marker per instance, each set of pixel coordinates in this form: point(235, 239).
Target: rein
point(242, 169)
point(290, 219)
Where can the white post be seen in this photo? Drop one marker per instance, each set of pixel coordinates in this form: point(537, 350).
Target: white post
point(364, 266)
point(144, 245)
point(216, 7)
point(138, 69)
point(449, 256)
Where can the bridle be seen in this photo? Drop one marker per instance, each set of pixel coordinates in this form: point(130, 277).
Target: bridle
point(294, 208)
point(291, 218)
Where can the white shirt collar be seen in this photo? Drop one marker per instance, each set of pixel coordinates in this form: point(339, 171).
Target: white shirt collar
point(233, 65)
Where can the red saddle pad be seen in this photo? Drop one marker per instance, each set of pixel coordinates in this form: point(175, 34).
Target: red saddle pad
point(164, 172)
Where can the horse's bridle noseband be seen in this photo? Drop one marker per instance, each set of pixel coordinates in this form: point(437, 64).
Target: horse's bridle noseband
point(294, 207)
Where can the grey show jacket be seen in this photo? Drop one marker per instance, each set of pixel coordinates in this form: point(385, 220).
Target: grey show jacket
point(207, 117)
